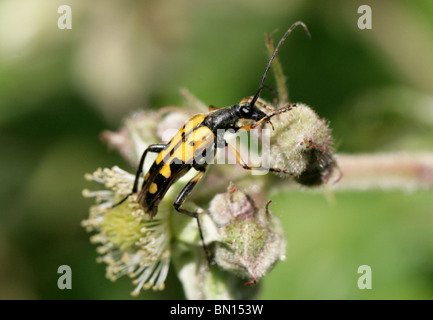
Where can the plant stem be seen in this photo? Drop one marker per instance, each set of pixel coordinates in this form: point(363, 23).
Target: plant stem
point(403, 171)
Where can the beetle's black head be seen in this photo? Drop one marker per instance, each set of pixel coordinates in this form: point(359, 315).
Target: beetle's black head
point(249, 112)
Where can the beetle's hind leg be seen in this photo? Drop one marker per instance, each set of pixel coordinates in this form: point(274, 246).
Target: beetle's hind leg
point(181, 199)
point(155, 148)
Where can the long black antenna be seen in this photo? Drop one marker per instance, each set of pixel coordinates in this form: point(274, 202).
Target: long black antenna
point(261, 86)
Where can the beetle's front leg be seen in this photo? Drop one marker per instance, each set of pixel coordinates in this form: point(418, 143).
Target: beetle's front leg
point(244, 165)
point(285, 108)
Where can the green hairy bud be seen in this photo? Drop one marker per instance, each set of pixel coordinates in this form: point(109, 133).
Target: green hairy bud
point(250, 241)
point(302, 144)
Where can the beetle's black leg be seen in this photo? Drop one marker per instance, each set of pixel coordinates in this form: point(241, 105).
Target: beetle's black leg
point(156, 148)
point(181, 199)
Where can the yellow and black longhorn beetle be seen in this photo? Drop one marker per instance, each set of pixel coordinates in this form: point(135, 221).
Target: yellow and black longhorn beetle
point(188, 148)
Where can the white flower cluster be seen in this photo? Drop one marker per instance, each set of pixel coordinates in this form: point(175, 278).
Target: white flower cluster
point(129, 242)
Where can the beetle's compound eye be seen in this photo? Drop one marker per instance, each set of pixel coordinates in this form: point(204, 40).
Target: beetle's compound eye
point(245, 112)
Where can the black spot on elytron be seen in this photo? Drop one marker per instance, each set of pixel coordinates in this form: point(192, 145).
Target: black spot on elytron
point(191, 143)
point(160, 181)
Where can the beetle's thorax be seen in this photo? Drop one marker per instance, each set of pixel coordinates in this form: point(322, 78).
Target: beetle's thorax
point(224, 118)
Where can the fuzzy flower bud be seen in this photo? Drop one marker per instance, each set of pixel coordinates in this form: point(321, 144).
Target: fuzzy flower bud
point(251, 240)
point(302, 144)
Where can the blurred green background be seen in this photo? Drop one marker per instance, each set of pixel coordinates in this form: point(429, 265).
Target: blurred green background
point(60, 88)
